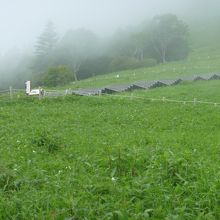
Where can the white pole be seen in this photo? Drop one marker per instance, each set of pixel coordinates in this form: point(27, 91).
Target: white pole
point(28, 87)
point(39, 92)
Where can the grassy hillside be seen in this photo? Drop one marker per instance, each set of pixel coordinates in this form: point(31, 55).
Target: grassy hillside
point(202, 60)
point(113, 157)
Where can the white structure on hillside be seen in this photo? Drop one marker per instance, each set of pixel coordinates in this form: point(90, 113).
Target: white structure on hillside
point(33, 91)
point(28, 87)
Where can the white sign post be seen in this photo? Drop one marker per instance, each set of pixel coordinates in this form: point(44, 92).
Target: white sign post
point(28, 87)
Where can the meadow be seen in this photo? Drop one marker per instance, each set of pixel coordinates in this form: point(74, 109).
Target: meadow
point(112, 157)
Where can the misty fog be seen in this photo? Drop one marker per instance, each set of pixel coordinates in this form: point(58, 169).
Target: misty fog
point(23, 21)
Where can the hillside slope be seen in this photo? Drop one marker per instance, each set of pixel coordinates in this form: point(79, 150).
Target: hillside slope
point(202, 60)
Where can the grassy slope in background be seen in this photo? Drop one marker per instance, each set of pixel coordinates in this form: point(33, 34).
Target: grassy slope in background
point(201, 61)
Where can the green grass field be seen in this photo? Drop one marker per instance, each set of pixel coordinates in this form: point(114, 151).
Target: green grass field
point(112, 157)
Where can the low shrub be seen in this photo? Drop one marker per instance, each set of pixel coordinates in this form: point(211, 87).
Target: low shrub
point(48, 141)
point(57, 76)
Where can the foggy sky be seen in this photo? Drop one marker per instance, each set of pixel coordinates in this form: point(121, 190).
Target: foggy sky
point(21, 21)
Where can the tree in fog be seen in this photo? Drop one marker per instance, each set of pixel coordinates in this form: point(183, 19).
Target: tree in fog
point(46, 41)
point(169, 38)
point(140, 42)
point(15, 73)
point(74, 48)
point(44, 48)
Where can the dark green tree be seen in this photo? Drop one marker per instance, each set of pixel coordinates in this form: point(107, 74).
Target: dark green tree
point(56, 76)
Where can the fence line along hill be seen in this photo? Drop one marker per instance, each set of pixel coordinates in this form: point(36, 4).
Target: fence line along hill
point(112, 89)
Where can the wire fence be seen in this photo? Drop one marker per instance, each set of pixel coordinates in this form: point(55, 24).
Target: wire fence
point(8, 91)
point(9, 94)
point(195, 101)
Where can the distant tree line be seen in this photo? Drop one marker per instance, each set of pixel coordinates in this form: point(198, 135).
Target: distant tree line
point(80, 53)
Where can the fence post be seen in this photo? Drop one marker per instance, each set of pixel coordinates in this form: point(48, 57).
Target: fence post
point(40, 92)
point(194, 101)
point(10, 91)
